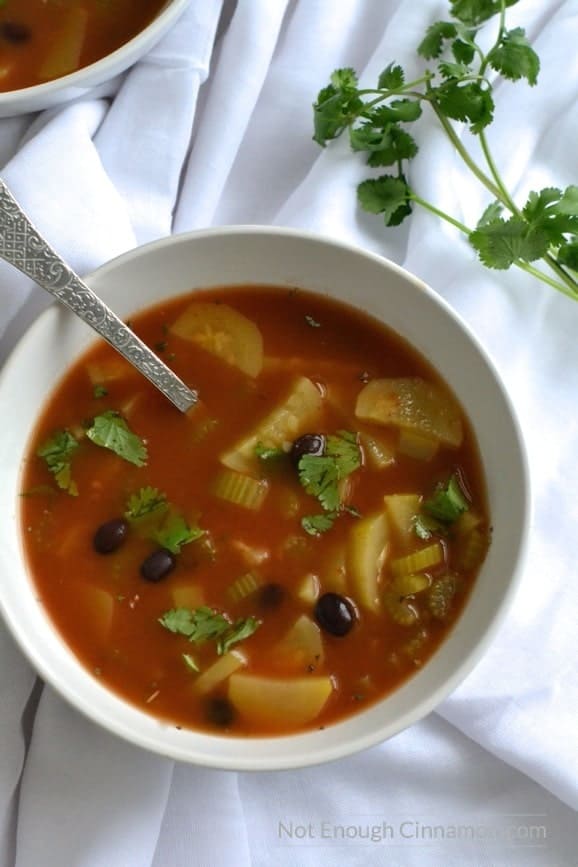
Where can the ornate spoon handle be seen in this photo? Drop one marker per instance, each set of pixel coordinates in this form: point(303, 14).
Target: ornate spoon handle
point(23, 247)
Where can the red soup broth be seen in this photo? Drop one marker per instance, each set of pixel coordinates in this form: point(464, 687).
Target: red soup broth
point(291, 550)
point(41, 40)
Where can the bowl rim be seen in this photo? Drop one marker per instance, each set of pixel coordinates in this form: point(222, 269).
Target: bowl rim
point(316, 754)
point(96, 72)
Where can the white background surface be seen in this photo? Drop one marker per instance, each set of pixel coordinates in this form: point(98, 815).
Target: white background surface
point(214, 127)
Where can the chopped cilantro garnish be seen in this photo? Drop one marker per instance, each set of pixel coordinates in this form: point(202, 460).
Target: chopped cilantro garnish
point(144, 502)
point(57, 451)
point(448, 502)
point(111, 431)
point(99, 391)
point(317, 524)
point(320, 474)
point(175, 532)
point(204, 624)
point(266, 453)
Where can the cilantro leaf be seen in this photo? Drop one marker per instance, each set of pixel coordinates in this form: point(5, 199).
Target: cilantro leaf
point(319, 476)
point(392, 77)
point(514, 57)
point(111, 431)
point(336, 106)
point(385, 195)
point(239, 630)
point(448, 502)
point(475, 12)
point(203, 624)
point(344, 449)
point(144, 502)
point(175, 532)
point(57, 451)
point(469, 102)
point(464, 46)
point(568, 204)
point(344, 79)
point(492, 212)
point(436, 35)
point(317, 524)
point(500, 242)
point(568, 255)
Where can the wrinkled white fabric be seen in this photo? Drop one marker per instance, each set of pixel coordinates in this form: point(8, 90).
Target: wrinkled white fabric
point(214, 127)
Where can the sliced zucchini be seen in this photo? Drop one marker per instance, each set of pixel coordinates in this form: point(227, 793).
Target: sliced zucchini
point(300, 647)
point(223, 332)
point(299, 411)
point(279, 703)
point(377, 451)
point(413, 403)
point(416, 445)
point(366, 551)
point(240, 489)
point(220, 671)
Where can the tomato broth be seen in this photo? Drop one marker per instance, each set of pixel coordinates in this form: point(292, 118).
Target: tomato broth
point(41, 40)
point(284, 555)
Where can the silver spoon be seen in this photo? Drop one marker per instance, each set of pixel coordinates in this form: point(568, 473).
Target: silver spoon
point(23, 247)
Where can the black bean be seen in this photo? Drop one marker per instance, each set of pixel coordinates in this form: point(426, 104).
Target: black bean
point(271, 595)
point(220, 711)
point(110, 536)
point(308, 444)
point(335, 614)
point(14, 32)
point(158, 565)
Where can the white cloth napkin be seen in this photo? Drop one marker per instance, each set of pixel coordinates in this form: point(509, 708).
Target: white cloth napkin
point(214, 127)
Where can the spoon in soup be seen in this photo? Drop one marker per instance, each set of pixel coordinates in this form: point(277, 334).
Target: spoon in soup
point(22, 246)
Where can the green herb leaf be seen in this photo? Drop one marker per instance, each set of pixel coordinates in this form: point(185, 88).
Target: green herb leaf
point(514, 57)
point(57, 451)
point(175, 532)
point(317, 524)
point(344, 449)
point(336, 106)
point(447, 503)
point(392, 77)
point(436, 35)
point(475, 12)
point(385, 195)
point(500, 242)
point(111, 431)
point(99, 391)
point(203, 624)
point(320, 474)
point(469, 102)
point(568, 255)
point(146, 501)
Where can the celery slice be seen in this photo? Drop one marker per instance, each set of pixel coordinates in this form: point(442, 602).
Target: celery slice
point(220, 671)
point(409, 585)
point(240, 489)
point(243, 586)
point(400, 610)
point(418, 561)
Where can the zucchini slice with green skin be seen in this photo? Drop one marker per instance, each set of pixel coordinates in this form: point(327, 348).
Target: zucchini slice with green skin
point(223, 332)
point(366, 551)
point(413, 403)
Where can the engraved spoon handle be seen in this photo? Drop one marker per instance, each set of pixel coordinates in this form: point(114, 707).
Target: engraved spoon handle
point(23, 247)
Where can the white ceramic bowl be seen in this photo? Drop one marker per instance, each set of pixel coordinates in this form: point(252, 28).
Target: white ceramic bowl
point(288, 258)
point(76, 84)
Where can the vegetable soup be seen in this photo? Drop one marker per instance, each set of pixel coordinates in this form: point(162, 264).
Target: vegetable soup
point(284, 555)
point(45, 39)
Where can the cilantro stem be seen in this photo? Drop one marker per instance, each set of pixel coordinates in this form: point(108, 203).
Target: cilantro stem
point(442, 214)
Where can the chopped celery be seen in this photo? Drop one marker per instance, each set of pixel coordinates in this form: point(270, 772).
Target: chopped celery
point(220, 671)
point(401, 510)
point(366, 551)
point(416, 445)
point(243, 586)
point(223, 332)
point(279, 703)
point(412, 403)
point(240, 489)
point(472, 549)
point(418, 561)
point(301, 647)
point(440, 596)
point(400, 610)
point(299, 411)
point(409, 585)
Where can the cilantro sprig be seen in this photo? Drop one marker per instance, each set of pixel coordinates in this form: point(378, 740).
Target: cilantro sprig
point(442, 509)
point(320, 475)
point(58, 451)
point(457, 85)
point(110, 430)
point(204, 624)
point(149, 510)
